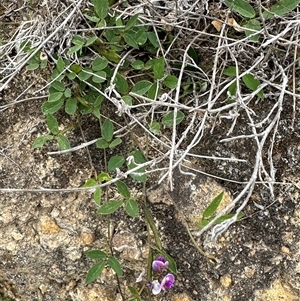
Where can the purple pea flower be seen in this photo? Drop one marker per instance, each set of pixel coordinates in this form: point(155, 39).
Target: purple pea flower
point(160, 264)
point(167, 282)
point(155, 287)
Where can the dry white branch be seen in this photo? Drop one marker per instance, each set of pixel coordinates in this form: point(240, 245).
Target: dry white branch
point(248, 189)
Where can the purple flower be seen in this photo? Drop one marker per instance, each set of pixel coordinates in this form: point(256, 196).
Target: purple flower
point(155, 287)
point(160, 264)
point(168, 281)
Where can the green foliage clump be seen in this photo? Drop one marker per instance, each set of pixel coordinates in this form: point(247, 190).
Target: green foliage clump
point(252, 18)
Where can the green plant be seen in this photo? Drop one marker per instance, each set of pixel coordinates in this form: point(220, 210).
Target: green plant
point(252, 21)
point(126, 200)
point(39, 60)
point(102, 260)
point(107, 132)
point(126, 67)
point(248, 79)
point(210, 212)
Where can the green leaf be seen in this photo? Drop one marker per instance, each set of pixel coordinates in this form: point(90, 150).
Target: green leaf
point(103, 177)
point(71, 76)
point(99, 64)
point(193, 54)
point(60, 65)
point(34, 59)
point(228, 216)
point(242, 7)
point(52, 124)
point(107, 130)
point(131, 22)
point(172, 264)
point(138, 65)
point(141, 37)
point(76, 68)
point(83, 75)
point(101, 8)
point(58, 86)
point(149, 64)
point(212, 207)
point(43, 63)
point(78, 40)
point(115, 162)
point(130, 40)
point(63, 142)
point(53, 97)
point(159, 68)
point(230, 71)
point(252, 83)
point(91, 40)
point(99, 77)
point(110, 207)
point(55, 75)
point(133, 291)
point(95, 272)
point(102, 143)
point(111, 55)
point(99, 100)
point(115, 265)
point(138, 156)
point(92, 18)
point(121, 84)
point(95, 254)
point(141, 87)
point(221, 219)
point(281, 8)
point(41, 140)
point(153, 39)
point(167, 120)
point(90, 183)
point(97, 195)
point(255, 25)
point(153, 91)
point(52, 107)
point(171, 81)
point(123, 189)
point(74, 49)
point(119, 21)
point(139, 175)
point(204, 222)
point(68, 92)
point(127, 99)
point(155, 127)
point(132, 208)
point(70, 106)
point(109, 35)
point(115, 142)
point(101, 23)
point(232, 88)
point(26, 46)
point(32, 66)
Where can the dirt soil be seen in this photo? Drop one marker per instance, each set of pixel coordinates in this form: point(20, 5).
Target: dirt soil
point(43, 235)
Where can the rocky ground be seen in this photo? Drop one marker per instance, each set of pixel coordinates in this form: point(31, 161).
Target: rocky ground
point(43, 235)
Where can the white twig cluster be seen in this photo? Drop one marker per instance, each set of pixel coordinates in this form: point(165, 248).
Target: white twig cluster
point(205, 108)
point(35, 31)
